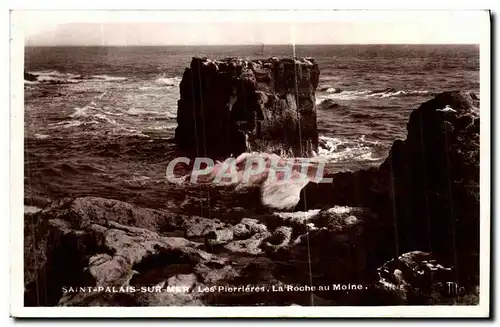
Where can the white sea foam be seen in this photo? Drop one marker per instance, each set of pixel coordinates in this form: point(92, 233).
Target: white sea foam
point(105, 118)
point(171, 115)
point(138, 111)
point(87, 115)
point(111, 113)
point(47, 72)
point(41, 136)
point(127, 130)
point(282, 194)
point(343, 95)
point(53, 76)
point(168, 81)
point(397, 93)
point(334, 94)
point(164, 127)
point(339, 210)
point(80, 112)
point(333, 90)
point(108, 78)
point(68, 124)
point(333, 149)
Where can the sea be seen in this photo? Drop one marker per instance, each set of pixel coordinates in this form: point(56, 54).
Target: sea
point(99, 121)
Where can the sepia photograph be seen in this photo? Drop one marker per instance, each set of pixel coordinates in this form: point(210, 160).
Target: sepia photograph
point(293, 163)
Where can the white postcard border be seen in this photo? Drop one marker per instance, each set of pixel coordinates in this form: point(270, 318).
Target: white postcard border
point(17, 177)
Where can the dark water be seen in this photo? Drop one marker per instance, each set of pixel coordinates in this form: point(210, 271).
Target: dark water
point(99, 120)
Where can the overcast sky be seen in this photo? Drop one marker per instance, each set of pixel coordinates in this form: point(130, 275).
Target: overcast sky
point(409, 27)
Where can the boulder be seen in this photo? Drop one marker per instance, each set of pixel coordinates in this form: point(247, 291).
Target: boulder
point(30, 77)
point(241, 231)
point(280, 238)
point(254, 225)
point(416, 278)
point(220, 236)
point(328, 104)
point(248, 227)
point(230, 106)
point(251, 246)
point(198, 226)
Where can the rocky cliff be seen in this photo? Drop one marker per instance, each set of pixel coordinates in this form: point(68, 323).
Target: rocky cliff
point(231, 106)
point(427, 191)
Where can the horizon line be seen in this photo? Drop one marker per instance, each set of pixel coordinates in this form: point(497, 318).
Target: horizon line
point(236, 44)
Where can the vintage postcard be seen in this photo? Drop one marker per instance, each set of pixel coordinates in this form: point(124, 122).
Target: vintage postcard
point(250, 163)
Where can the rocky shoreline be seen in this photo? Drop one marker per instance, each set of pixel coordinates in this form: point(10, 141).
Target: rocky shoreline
point(399, 234)
point(94, 243)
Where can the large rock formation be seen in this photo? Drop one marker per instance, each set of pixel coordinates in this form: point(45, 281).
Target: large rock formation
point(426, 193)
point(397, 234)
point(231, 106)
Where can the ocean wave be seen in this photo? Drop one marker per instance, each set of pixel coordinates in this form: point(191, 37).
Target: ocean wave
point(94, 114)
point(336, 150)
point(139, 111)
point(330, 89)
point(337, 94)
point(57, 80)
point(171, 115)
point(56, 77)
point(128, 131)
point(163, 127)
point(69, 124)
point(343, 95)
point(165, 115)
point(80, 112)
point(108, 78)
point(391, 92)
point(330, 78)
point(168, 81)
point(41, 136)
point(105, 118)
point(278, 189)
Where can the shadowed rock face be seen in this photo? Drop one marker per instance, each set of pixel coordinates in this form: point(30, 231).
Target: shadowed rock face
point(29, 77)
point(231, 106)
point(427, 190)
